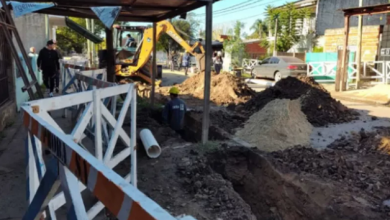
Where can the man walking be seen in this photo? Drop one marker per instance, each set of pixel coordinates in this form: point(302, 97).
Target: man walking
point(174, 112)
point(49, 64)
point(186, 62)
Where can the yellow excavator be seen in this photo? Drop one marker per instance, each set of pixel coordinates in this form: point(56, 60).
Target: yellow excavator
point(135, 61)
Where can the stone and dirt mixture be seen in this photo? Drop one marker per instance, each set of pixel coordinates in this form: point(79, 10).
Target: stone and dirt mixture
point(218, 181)
point(225, 89)
point(317, 104)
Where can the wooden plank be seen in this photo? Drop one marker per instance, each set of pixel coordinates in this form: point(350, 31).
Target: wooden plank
point(121, 198)
point(338, 70)
point(345, 58)
point(46, 190)
point(74, 201)
point(61, 102)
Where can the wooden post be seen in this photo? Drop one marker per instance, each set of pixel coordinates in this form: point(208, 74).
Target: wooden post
point(359, 48)
point(344, 70)
point(154, 68)
point(207, 74)
point(338, 70)
point(110, 56)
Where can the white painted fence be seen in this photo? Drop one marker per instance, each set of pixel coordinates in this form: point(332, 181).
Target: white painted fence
point(74, 168)
point(376, 71)
point(248, 64)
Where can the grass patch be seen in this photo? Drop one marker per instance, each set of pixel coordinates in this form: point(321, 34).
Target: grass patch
point(246, 75)
point(208, 147)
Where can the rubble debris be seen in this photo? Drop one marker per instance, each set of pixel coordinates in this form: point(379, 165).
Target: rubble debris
point(318, 105)
point(278, 126)
point(225, 88)
point(360, 163)
point(273, 194)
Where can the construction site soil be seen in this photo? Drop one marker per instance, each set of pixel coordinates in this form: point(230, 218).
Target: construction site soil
point(318, 105)
point(222, 182)
point(225, 89)
point(219, 180)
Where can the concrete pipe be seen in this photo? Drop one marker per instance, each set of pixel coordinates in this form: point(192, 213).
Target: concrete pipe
point(153, 149)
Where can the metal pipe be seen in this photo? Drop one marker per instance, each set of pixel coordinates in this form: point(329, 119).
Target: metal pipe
point(207, 75)
point(98, 124)
point(152, 148)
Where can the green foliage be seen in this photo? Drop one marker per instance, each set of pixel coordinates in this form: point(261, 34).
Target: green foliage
point(259, 27)
point(318, 49)
point(235, 46)
point(287, 29)
point(68, 39)
point(185, 28)
point(208, 147)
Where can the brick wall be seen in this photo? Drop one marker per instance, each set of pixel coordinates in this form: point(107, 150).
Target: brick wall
point(254, 50)
point(334, 40)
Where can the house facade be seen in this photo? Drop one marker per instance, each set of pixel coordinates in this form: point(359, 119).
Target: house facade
point(322, 29)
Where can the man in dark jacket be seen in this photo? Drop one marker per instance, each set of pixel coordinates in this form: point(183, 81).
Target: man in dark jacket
point(48, 62)
point(174, 112)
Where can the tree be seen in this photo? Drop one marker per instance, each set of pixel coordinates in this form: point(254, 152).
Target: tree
point(260, 30)
point(287, 29)
point(235, 46)
point(183, 28)
point(68, 39)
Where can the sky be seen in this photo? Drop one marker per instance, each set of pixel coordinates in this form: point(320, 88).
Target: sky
point(227, 12)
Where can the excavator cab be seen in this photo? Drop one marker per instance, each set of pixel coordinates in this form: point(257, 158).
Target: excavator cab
point(137, 64)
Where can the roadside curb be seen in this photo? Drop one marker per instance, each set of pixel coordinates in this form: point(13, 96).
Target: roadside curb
point(361, 100)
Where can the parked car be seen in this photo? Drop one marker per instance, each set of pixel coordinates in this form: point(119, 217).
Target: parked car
point(279, 67)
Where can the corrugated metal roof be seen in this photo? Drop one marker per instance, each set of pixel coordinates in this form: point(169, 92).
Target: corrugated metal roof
point(132, 10)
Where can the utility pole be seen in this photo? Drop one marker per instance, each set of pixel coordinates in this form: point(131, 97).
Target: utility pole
point(359, 48)
point(260, 30)
point(276, 36)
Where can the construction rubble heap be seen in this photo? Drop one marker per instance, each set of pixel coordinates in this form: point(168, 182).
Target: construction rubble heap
point(282, 176)
point(317, 104)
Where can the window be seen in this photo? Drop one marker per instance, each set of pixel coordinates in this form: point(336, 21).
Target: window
point(274, 60)
point(265, 61)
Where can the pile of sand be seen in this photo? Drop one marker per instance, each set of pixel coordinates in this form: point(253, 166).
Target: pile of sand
point(279, 125)
point(225, 88)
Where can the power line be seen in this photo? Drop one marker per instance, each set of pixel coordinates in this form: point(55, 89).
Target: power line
point(243, 9)
point(230, 7)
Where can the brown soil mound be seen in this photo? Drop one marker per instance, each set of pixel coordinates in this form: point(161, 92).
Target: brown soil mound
point(318, 105)
point(278, 126)
point(225, 88)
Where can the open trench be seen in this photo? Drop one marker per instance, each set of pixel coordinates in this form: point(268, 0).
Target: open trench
point(270, 194)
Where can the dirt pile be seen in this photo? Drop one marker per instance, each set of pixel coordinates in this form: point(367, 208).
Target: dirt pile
point(210, 189)
point(278, 126)
point(225, 88)
point(317, 104)
point(291, 196)
point(361, 162)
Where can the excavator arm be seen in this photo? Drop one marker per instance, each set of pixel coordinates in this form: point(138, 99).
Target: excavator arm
point(147, 45)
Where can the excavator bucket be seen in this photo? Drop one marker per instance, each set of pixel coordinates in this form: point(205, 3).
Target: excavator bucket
point(201, 62)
